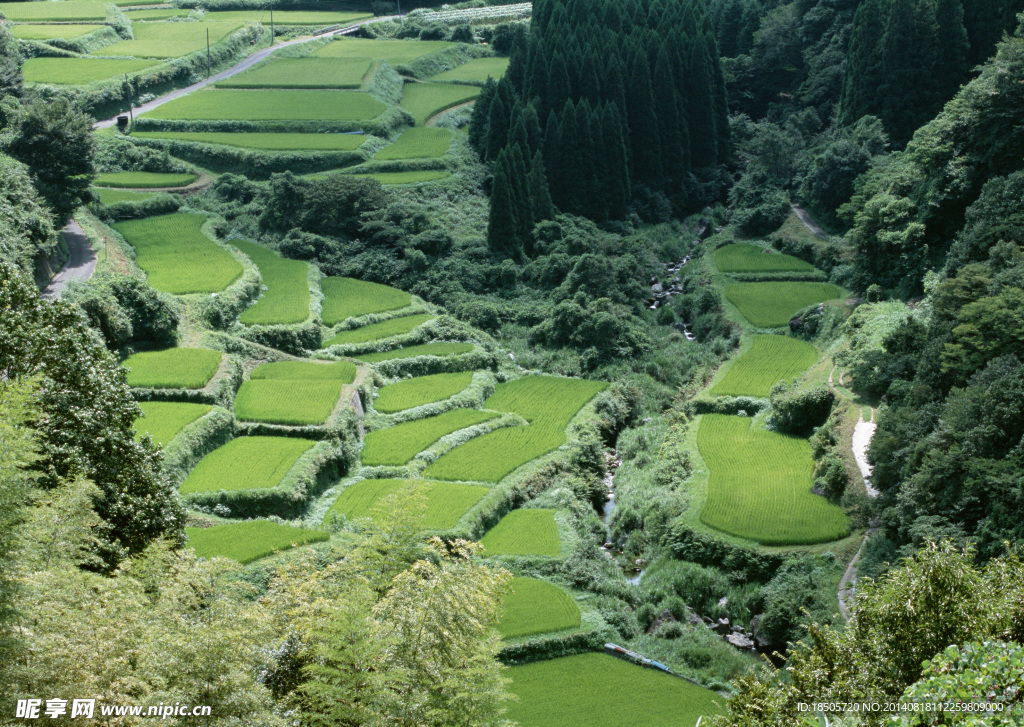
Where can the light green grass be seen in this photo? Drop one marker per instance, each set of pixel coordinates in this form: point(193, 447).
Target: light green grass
point(523, 532)
point(418, 143)
point(591, 690)
point(177, 257)
point(392, 52)
point(287, 401)
point(303, 73)
point(246, 463)
point(286, 298)
point(536, 607)
point(343, 371)
point(768, 360)
point(759, 485)
point(143, 180)
point(547, 402)
point(746, 258)
point(168, 40)
point(271, 105)
point(424, 349)
point(350, 298)
point(250, 540)
point(423, 100)
point(476, 71)
point(173, 368)
point(400, 443)
point(413, 176)
point(771, 305)
point(287, 17)
point(48, 32)
point(268, 142)
point(421, 390)
point(445, 503)
point(156, 13)
point(112, 196)
point(162, 420)
point(72, 10)
point(377, 331)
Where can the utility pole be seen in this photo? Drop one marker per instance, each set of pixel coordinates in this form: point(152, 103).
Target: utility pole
point(399, 9)
point(131, 116)
point(271, 25)
point(209, 71)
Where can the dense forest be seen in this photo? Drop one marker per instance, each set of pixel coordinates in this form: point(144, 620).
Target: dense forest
point(715, 306)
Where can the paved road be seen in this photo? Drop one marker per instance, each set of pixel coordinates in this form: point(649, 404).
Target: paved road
point(235, 70)
point(81, 262)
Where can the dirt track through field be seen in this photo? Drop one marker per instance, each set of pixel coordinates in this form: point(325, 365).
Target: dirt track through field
point(81, 262)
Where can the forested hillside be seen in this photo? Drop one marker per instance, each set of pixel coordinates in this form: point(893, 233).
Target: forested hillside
point(654, 362)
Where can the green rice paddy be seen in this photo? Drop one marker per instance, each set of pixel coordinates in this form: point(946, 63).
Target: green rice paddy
point(343, 371)
point(418, 143)
point(377, 331)
point(143, 180)
point(523, 532)
point(250, 540)
point(70, 10)
point(303, 73)
point(549, 403)
point(771, 305)
point(412, 176)
point(476, 71)
point(397, 445)
point(265, 141)
point(173, 368)
point(113, 196)
point(350, 298)
point(287, 17)
point(162, 420)
point(271, 105)
point(392, 52)
point(177, 257)
point(424, 349)
point(246, 463)
point(597, 689)
point(535, 607)
point(421, 390)
point(287, 401)
point(759, 486)
point(48, 32)
point(286, 298)
point(168, 40)
point(746, 258)
point(423, 100)
point(156, 13)
point(768, 360)
point(446, 502)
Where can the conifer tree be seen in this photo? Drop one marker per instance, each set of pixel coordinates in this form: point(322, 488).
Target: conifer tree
point(478, 121)
point(502, 227)
point(541, 206)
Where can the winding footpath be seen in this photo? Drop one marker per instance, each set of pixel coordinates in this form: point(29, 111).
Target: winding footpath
point(81, 262)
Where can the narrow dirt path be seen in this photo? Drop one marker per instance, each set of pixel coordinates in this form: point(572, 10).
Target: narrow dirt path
point(432, 121)
point(81, 262)
point(848, 583)
point(862, 434)
point(809, 223)
point(245, 65)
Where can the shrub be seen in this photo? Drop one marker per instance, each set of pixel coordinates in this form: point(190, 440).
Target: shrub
point(800, 411)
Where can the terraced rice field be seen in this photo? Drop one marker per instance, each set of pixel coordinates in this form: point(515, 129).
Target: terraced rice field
point(771, 305)
point(177, 257)
point(423, 100)
point(536, 607)
point(143, 180)
point(413, 176)
point(759, 486)
point(549, 403)
point(561, 693)
point(446, 502)
point(424, 349)
point(378, 331)
point(172, 368)
point(350, 298)
point(745, 258)
point(113, 196)
point(286, 401)
point(421, 390)
point(476, 71)
point(287, 17)
point(768, 360)
point(250, 540)
point(71, 10)
point(268, 142)
point(271, 105)
point(397, 445)
point(48, 32)
point(286, 298)
point(246, 463)
point(392, 52)
point(343, 371)
point(168, 40)
point(418, 143)
point(156, 13)
point(303, 73)
point(162, 420)
point(524, 532)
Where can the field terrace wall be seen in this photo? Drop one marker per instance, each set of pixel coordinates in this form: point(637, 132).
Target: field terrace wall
point(294, 338)
point(220, 390)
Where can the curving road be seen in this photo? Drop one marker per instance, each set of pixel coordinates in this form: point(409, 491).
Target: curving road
point(81, 262)
point(245, 65)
